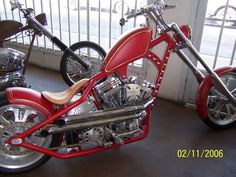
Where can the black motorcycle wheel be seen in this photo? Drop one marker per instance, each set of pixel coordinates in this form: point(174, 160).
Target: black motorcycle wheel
point(221, 113)
point(72, 71)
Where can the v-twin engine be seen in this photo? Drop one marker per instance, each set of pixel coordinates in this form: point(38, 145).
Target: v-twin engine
point(124, 104)
point(11, 65)
point(116, 93)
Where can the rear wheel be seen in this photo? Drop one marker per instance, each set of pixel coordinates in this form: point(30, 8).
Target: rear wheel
point(72, 71)
point(221, 113)
point(15, 119)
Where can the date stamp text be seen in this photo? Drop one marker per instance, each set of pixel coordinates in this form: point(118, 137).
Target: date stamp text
point(199, 153)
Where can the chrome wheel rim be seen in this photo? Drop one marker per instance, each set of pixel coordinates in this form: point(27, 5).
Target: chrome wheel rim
point(15, 119)
point(221, 111)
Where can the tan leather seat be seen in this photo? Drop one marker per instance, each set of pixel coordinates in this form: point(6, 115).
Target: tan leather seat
point(61, 98)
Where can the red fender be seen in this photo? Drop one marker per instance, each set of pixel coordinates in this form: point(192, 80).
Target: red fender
point(204, 89)
point(29, 97)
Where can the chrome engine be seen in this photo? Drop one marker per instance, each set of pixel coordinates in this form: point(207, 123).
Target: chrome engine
point(11, 65)
point(124, 104)
point(115, 93)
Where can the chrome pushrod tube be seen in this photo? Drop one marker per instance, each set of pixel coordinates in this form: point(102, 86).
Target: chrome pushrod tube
point(219, 85)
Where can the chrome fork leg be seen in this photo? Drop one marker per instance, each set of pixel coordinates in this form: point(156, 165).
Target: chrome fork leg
point(219, 85)
point(193, 68)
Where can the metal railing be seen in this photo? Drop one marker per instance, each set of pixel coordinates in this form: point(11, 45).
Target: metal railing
point(218, 41)
point(78, 20)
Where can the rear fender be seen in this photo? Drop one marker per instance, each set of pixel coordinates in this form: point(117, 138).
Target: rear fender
point(29, 97)
point(203, 90)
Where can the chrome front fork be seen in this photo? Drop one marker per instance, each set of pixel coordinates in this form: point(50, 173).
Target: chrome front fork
point(218, 84)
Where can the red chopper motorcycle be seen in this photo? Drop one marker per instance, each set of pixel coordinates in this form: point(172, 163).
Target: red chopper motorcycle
point(110, 109)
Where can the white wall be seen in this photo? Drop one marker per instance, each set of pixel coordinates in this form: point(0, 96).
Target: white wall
point(47, 59)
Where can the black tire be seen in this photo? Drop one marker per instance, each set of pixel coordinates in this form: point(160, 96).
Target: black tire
point(78, 71)
point(22, 160)
point(222, 9)
point(221, 113)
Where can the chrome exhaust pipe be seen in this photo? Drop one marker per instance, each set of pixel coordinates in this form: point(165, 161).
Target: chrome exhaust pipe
point(92, 123)
point(97, 119)
point(107, 113)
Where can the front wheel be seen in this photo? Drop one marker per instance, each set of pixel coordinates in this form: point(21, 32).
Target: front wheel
point(221, 113)
point(72, 71)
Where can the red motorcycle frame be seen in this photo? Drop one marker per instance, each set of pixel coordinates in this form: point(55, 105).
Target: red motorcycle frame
point(34, 99)
point(124, 52)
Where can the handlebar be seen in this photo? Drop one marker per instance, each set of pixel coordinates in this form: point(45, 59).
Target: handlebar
point(15, 4)
point(169, 7)
point(140, 12)
point(32, 21)
point(123, 20)
point(153, 11)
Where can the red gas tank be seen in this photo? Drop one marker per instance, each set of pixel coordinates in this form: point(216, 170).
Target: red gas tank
point(131, 46)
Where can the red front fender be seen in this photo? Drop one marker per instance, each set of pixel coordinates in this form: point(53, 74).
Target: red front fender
point(203, 90)
point(29, 97)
